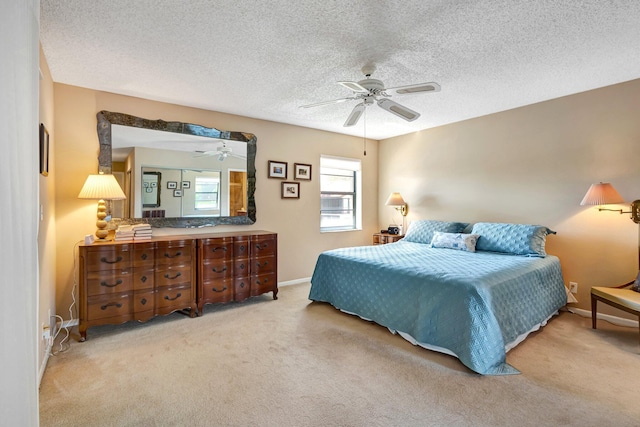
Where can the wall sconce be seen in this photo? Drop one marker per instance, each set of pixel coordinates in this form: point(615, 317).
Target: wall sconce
point(396, 200)
point(101, 187)
point(603, 193)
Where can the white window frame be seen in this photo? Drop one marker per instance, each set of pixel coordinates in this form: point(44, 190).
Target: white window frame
point(347, 164)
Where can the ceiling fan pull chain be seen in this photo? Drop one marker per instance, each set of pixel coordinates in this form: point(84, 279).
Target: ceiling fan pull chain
point(365, 132)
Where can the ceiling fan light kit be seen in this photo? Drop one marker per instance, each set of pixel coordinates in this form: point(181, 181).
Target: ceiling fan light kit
point(371, 91)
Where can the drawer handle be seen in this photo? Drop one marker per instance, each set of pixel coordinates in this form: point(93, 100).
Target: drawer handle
point(172, 299)
point(219, 271)
point(218, 248)
point(144, 256)
point(262, 283)
point(172, 256)
point(143, 279)
point(264, 264)
point(242, 248)
point(143, 301)
point(104, 259)
point(242, 285)
point(264, 246)
point(105, 284)
point(242, 266)
point(178, 274)
point(111, 304)
point(221, 290)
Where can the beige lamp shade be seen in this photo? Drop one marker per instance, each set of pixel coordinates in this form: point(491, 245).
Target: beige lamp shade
point(601, 193)
point(395, 199)
point(101, 187)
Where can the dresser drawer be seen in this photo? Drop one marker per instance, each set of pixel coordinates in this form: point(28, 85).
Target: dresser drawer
point(263, 283)
point(263, 246)
point(218, 248)
point(241, 267)
point(217, 269)
point(263, 265)
point(108, 282)
point(100, 307)
point(174, 296)
point(144, 255)
point(178, 252)
point(241, 246)
point(144, 301)
point(143, 278)
point(108, 258)
point(173, 275)
point(218, 290)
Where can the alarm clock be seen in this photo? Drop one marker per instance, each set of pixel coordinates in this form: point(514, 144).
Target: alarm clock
point(393, 229)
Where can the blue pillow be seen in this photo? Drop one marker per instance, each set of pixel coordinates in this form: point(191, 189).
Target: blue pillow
point(516, 239)
point(421, 231)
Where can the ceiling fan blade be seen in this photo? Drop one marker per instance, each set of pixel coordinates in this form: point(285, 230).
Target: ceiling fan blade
point(333, 101)
point(355, 115)
point(417, 88)
point(397, 109)
point(356, 87)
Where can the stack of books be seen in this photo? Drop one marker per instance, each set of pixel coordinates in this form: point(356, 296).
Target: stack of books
point(124, 232)
point(141, 232)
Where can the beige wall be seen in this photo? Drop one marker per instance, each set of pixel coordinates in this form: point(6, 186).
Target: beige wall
point(295, 221)
point(532, 165)
point(47, 224)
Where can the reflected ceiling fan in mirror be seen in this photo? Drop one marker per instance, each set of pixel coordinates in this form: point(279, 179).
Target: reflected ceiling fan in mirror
point(222, 152)
point(371, 91)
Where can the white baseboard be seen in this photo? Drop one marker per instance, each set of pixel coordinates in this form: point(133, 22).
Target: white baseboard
point(294, 282)
point(44, 364)
point(609, 318)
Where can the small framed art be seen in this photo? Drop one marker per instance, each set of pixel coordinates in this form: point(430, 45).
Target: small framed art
point(186, 184)
point(44, 150)
point(177, 193)
point(301, 171)
point(172, 185)
point(277, 169)
point(290, 190)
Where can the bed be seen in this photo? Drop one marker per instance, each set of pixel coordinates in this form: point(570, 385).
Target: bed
point(472, 295)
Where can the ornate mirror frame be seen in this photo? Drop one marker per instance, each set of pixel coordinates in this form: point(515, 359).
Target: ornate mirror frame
point(107, 118)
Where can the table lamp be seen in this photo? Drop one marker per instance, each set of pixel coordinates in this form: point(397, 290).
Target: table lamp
point(101, 187)
point(396, 200)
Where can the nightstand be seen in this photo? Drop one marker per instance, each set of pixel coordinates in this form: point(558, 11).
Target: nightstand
point(384, 238)
point(623, 299)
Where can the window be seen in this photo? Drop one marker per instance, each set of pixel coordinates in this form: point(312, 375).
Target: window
point(340, 187)
point(207, 193)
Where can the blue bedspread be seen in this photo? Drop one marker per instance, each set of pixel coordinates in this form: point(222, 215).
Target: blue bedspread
point(469, 303)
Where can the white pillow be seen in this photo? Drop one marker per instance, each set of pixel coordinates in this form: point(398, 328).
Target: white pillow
point(458, 241)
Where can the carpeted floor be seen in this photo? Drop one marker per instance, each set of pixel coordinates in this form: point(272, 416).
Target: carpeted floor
point(291, 362)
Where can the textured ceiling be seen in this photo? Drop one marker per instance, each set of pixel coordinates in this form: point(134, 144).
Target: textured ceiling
point(263, 59)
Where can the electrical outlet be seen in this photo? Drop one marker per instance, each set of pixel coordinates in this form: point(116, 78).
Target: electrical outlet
point(573, 287)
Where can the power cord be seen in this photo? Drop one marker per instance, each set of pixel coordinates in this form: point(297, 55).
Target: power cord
point(62, 346)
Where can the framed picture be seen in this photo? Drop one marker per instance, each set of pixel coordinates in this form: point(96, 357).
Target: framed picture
point(186, 184)
point(277, 169)
point(302, 171)
point(177, 193)
point(44, 150)
point(172, 185)
point(290, 190)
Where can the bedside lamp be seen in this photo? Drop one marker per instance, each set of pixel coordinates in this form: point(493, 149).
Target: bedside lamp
point(396, 200)
point(101, 187)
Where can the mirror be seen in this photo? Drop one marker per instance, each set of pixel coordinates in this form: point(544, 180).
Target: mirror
point(203, 176)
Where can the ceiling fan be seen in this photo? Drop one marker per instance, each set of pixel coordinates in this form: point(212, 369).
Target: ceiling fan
point(371, 91)
point(222, 152)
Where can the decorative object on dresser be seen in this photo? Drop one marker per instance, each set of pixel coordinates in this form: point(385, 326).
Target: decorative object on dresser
point(236, 266)
point(101, 187)
point(121, 281)
point(384, 238)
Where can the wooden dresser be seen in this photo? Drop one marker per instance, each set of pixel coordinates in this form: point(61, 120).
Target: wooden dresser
point(137, 280)
point(236, 266)
point(121, 281)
